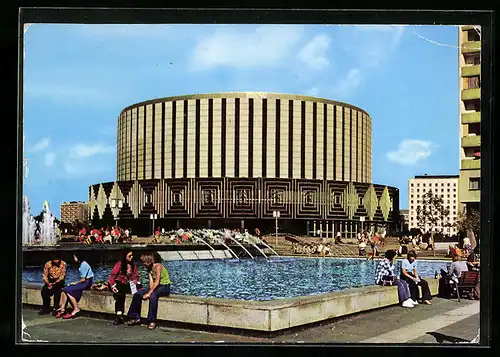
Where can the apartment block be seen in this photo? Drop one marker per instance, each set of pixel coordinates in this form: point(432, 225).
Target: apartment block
point(444, 186)
point(470, 116)
point(74, 210)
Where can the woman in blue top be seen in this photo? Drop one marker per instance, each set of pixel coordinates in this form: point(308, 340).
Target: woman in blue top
point(73, 292)
point(410, 275)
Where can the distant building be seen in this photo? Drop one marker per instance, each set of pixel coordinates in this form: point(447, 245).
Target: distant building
point(445, 186)
point(74, 210)
point(404, 220)
point(469, 60)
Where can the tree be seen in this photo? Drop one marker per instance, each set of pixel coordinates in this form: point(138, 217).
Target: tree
point(469, 221)
point(431, 213)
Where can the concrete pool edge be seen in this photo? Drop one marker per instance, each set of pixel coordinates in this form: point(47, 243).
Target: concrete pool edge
point(262, 316)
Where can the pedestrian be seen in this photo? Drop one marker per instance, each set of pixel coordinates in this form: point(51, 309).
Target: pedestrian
point(54, 273)
point(159, 285)
point(124, 279)
point(409, 274)
point(73, 292)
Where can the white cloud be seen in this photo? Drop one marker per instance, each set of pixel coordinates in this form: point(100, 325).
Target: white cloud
point(312, 91)
point(65, 93)
point(41, 145)
point(84, 150)
point(348, 84)
point(410, 151)
point(230, 46)
point(313, 54)
point(49, 158)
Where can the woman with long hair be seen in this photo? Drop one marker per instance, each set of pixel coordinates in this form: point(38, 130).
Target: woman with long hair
point(73, 292)
point(159, 285)
point(123, 280)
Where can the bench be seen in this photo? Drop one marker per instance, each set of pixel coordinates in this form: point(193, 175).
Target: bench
point(467, 282)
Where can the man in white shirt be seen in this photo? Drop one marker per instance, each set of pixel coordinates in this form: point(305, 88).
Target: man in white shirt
point(410, 275)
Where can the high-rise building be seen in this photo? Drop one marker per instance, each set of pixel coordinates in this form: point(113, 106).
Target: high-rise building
point(469, 60)
point(74, 210)
point(444, 186)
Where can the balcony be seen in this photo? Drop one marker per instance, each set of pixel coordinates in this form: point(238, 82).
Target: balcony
point(470, 164)
point(471, 46)
point(469, 71)
point(469, 94)
point(471, 141)
point(471, 118)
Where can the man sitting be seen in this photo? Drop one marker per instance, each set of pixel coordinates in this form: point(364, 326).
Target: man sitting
point(54, 273)
point(456, 269)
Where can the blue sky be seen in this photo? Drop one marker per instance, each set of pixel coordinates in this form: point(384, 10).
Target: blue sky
point(77, 79)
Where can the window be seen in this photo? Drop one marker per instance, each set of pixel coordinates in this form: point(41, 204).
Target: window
point(411, 196)
point(412, 202)
point(418, 190)
point(454, 212)
point(473, 82)
point(411, 207)
point(411, 190)
point(448, 196)
point(442, 190)
point(412, 185)
point(454, 184)
point(472, 35)
point(474, 183)
point(454, 190)
point(436, 184)
point(423, 184)
point(418, 185)
point(442, 184)
point(448, 184)
point(448, 201)
point(454, 195)
point(448, 190)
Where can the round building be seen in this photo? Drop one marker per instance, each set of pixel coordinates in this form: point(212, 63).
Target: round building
point(234, 159)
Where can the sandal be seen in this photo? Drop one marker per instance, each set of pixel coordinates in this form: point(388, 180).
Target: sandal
point(151, 326)
point(133, 322)
point(71, 316)
point(59, 314)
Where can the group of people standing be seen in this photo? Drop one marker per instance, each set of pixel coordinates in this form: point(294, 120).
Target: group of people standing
point(124, 279)
point(408, 292)
point(108, 235)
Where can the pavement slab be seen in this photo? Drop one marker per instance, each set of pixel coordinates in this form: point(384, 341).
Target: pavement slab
point(445, 321)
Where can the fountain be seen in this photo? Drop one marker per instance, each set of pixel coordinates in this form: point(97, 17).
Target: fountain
point(267, 246)
point(221, 242)
point(248, 240)
point(47, 227)
point(241, 245)
point(29, 224)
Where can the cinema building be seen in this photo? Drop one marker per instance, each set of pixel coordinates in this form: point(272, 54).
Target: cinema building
point(233, 159)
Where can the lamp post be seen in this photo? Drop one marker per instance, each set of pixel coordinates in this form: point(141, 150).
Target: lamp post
point(276, 214)
point(116, 203)
point(153, 217)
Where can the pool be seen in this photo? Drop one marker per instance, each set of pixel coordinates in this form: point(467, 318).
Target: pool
point(258, 279)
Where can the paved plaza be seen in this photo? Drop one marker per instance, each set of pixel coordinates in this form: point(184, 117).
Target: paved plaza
point(444, 322)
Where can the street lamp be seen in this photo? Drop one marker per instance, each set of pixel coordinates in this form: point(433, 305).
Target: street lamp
point(153, 217)
point(116, 203)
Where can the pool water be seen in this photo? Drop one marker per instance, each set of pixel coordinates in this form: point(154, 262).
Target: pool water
point(258, 279)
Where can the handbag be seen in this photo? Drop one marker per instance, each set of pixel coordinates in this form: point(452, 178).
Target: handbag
point(388, 280)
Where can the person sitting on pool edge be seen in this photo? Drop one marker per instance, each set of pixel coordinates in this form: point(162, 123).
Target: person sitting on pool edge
point(384, 275)
point(409, 274)
point(54, 273)
point(73, 292)
point(123, 277)
point(159, 285)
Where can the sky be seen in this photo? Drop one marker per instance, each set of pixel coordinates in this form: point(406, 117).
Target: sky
point(78, 77)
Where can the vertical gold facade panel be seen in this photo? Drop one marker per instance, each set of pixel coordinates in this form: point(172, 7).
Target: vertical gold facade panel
point(179, 138)
point(167, 134)
point(347, 143)
point(331, 150)
point(203, 160)
point(309, 141)
point(134, 143)
point(191, 138)
point(284, 131)
point(158, 140)
point(217, 138)
point(271, 139)
point(339, 143)
point(230, 125)
point(140, 144)
point(149, 140)
point(297, 144)
point(243, 146)
point(319, 141)
point(257, 138)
